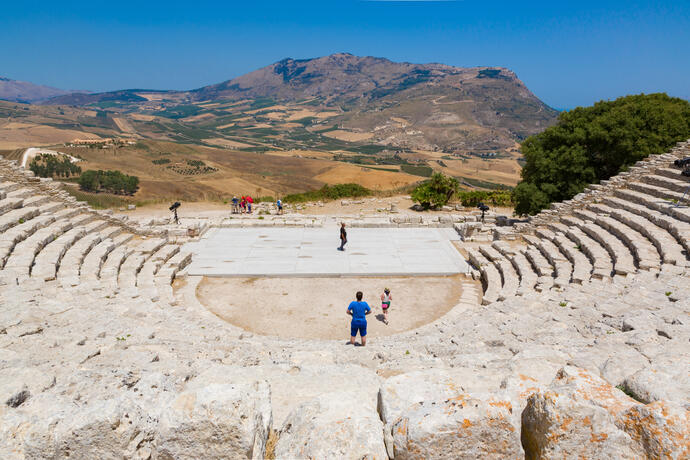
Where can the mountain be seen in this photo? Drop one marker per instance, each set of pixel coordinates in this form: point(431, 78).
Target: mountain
point(438, 106)
point(403, 105)
point(22, 91)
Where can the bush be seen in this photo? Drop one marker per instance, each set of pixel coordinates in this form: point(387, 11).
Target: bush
point(591, 144)
point(108, 181)
point(435, 192)
point(329, 192)
point(44, 165)
point(494, 198)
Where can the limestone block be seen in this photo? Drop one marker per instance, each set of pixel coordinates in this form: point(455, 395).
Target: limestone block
point(580, 415)
point(425, 410)
point(660, 429)
point(215, 420)
point(59, 428)
point(339, 425)
point(468, 426)
point(651, 384)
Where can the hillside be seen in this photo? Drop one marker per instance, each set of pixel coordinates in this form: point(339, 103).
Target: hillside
point(402, 105)
point(22, 91)
point(397, 118)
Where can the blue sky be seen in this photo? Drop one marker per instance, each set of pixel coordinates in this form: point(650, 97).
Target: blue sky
point(567, 53)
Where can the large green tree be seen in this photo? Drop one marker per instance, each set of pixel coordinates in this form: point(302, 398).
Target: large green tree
point(435, 192)
point(590, 144)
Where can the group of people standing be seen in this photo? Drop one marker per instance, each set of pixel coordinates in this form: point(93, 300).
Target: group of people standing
point(242, 205)
point(359, 310)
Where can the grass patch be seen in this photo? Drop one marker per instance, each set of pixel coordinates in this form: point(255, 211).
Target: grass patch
point(329, 192)
point(485, 184)
point(422, 171)
point(99, 200)
point(625, 390)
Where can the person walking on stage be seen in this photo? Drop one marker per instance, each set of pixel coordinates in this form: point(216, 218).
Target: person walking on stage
point(279, 204)
point(359, 311)
point(386, 298)
point(343, 237)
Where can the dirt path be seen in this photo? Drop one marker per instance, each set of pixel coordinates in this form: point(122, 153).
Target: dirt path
point(315, 307)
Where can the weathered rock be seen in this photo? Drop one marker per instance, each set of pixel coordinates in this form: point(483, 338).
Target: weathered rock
point(581, 415)
point(113, 428)
point(660, 429)
point(433, 412)
point(466, 426)
point(337, 425)
point(650, 384)
point(215, 420)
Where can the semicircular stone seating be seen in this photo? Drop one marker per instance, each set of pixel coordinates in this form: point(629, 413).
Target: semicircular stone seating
point(637, 221)
point(100, 358)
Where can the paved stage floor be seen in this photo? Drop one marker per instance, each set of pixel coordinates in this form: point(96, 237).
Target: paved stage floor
point(280, 251)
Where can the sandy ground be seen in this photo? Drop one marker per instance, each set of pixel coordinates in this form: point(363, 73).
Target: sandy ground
point(315, 308)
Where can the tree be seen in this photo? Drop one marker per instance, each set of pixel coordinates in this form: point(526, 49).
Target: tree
point(590, 144)
point(435, 192)
point(108, 181)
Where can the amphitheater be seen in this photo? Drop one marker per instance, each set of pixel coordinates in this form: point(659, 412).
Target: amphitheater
point(570, 339)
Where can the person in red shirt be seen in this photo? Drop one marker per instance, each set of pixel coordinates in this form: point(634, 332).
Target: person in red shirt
point(249, 204)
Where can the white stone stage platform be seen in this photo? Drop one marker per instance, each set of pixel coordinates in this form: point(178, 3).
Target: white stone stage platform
point(275, 251)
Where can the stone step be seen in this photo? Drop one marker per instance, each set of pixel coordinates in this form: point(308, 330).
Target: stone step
point(48, 261)
point(644, 253)
point(650, 200)
point(581, 267)
point(665, 182)
point(510, 279)
point(9, 203)
point(93, 261)
point(627, 199)
point(665, 245)
point(167, 273)
point(36, 200)
point(10, 238)
point(542, 268)
point(671, 196)
point(146, 280)
point(16, 217)
point(491, 278)
point(22, 257)
point(21, 193)
point(602, 265)
point(558, 260)
point(110, 269)
point(673, 173)
point(525, 272)
point(7, 187)
point(70, 267)
point(623, 261)
point(51, 207)
point(132, 265)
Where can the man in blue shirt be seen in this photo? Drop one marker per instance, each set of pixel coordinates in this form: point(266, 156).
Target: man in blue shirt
point(359, 311)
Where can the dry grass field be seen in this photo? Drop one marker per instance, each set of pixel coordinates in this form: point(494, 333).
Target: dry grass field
point(237, 172)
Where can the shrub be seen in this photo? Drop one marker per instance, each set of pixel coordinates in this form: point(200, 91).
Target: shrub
point(108, 181)
point(589, 144)
point(494, 198)
point(435, 192)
